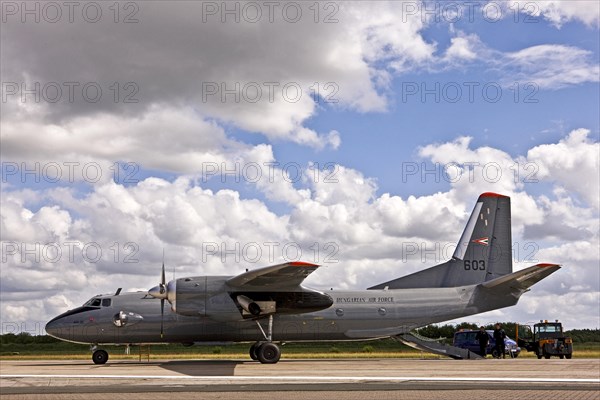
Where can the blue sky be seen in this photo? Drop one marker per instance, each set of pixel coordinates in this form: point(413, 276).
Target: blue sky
point(380, 59)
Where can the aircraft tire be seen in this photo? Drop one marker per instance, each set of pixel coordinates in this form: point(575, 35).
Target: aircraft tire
point(253, 349)
point(100, 357)
point(568, 356)
point(268, 353)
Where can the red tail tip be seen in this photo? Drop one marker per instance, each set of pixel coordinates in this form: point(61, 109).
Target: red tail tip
point(491, 194)
point(302, 264)
point(545, 265)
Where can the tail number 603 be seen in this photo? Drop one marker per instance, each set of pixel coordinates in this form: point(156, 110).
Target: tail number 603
point(474, 265)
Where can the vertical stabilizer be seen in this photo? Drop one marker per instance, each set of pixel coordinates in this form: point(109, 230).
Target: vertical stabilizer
point(486, 244)
point(484, 251)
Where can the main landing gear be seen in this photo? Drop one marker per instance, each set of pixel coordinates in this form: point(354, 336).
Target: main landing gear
point(266, 352)
point(99, 356)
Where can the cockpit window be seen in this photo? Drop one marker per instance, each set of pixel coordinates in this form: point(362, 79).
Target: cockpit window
point(105, 302)
point(93, 302)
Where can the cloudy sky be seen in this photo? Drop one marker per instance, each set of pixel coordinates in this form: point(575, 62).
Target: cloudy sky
point(237, 135)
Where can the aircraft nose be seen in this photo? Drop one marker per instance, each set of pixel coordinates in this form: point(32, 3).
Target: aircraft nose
point(53, 328)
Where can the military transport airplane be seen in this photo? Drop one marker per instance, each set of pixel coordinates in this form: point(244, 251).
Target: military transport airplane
point(269, 305)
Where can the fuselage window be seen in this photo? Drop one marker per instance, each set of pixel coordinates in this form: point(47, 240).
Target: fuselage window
point(106, 302)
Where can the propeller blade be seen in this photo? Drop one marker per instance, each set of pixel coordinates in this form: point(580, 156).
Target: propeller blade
point(162, 277)
point(162, 316)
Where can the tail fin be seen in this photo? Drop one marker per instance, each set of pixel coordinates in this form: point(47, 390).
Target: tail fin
point(483, 253)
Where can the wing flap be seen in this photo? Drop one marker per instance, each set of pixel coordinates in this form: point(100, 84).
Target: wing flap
point(286, 275)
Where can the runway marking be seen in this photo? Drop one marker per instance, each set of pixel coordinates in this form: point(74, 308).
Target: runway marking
point(313, 378)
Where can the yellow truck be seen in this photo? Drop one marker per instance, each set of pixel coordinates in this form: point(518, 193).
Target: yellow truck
point(546, 340)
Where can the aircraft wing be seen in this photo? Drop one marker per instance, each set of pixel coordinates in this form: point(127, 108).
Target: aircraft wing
point(524, 278)
point(287, 275)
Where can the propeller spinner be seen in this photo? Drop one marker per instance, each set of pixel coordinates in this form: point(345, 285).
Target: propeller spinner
point(160, 291)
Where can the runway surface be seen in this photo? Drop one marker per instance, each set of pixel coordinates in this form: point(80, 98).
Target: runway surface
point(303, 379)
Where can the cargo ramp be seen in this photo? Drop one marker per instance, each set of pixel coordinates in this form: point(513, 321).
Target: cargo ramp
point(423, 343)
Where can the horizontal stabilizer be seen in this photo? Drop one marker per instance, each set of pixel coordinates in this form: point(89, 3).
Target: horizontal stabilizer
point(524, 278)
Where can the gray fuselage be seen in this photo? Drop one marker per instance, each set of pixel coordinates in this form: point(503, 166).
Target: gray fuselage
point(135, 318)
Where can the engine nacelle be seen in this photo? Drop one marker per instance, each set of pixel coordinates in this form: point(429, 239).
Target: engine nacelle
point(202, 296)
point(187, 296)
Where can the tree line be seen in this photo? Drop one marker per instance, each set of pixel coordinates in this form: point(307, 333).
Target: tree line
point(431, 331)
point(510, 328)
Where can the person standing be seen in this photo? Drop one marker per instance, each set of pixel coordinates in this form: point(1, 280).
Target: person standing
point(499, 337)
point(483, 339)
